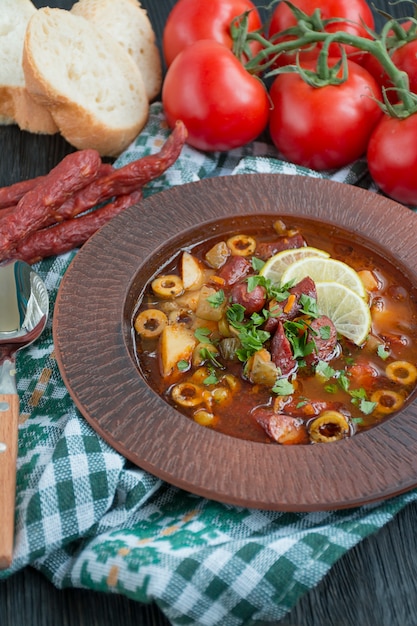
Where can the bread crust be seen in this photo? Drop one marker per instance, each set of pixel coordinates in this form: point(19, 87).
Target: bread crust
point(91, 87)
point(31, 116)
point(16, 105)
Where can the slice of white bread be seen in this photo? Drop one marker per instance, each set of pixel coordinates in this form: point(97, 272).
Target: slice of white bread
point(14, 16)
point(92, 88)
point(16, 106)
point(128, 23)
point(31, 116)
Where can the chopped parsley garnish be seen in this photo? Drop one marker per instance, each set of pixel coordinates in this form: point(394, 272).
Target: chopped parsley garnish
point(257, 263)
point(255, 281)
point(251, 337)
point(183, 365)
point(325, 370)
point(360, 399)
point(324, 332)
point(283, 387)
point(207, 355)
point(217, 299)
point(358, 396)
point(296, 335)
point(235, 315)
point(382, 352)
point(331, 388)
point(344, 381)
point(309, 307)
point(274, 291)
point(211, 378)
point(202, 334)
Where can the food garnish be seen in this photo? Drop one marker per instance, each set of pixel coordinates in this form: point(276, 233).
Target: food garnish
point(294, 348)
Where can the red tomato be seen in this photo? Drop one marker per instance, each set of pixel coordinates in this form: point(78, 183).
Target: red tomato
point(192, 20)
point(354, 11)
point(220, 103)
point(361, 374)
point(324, 127)
point(405, 58)
point(375, 68)
point(392, 158)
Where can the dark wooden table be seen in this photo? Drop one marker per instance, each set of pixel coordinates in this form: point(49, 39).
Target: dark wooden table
point(375, 584)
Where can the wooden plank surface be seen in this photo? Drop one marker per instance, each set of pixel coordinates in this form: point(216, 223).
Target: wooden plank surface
point(373, 585)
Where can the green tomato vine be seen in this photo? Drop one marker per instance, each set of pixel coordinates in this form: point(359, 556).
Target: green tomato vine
point(310, 30)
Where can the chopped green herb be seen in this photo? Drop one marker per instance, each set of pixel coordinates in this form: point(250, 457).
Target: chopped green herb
point(275, 291)
point(324, 332)
point(183, 365)
point(275, 311)
point(309, 306)
point(382, 352)
point(257, 319)
point(360, 399)
point(216, 299)
point(344, 381)
point(296, 335)
point(257, 264)
point(283, 387)
point(325, 370)
point(366, 406)
point(202, 334)
point(211, 379)
point(251, 337)
point(208, 355)
point(235, 315)
point(330, 388)
point(288, 285)
point(358, 394)
point(272, 290)
point(254, 281)
point(252, 340)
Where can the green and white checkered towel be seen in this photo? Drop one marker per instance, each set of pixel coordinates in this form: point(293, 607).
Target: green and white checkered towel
point(88, 518)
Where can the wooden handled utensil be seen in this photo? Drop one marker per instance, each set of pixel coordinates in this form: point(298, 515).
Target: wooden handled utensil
point(24, 309)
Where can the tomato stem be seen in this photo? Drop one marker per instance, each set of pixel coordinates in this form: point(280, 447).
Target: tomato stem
point(305, 36)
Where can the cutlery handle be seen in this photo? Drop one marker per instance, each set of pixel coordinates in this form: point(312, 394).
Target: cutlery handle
point(9, 420)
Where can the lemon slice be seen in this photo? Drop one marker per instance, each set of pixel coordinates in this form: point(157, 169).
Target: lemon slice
point(348, 311)
point(325, 270)
point(277, 264)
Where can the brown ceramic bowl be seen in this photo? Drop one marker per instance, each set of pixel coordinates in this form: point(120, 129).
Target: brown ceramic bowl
point(94, 346)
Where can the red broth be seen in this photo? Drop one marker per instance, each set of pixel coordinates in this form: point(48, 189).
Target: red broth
point(323, 397)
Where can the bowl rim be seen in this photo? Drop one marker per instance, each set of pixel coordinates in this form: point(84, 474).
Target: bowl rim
point(371, 466)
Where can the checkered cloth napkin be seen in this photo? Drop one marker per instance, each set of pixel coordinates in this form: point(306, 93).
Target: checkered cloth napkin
point(86, 517)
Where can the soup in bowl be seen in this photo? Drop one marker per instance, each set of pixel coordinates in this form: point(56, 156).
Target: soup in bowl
point(123, 386)
point(275, 330)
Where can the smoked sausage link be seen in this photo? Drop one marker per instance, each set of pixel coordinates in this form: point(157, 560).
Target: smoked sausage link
point(40, 203)
point(128, 178)
point(44, 222)
point(253, 301)
point(324, 344)
point(71, 233)
point(234, 270)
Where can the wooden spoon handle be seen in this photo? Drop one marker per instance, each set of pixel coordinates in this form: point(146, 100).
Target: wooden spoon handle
point(9, 419)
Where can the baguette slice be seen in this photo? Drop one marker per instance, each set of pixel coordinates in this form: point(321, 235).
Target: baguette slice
point(128, 23)
point(92, 88)
point(16, 106)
